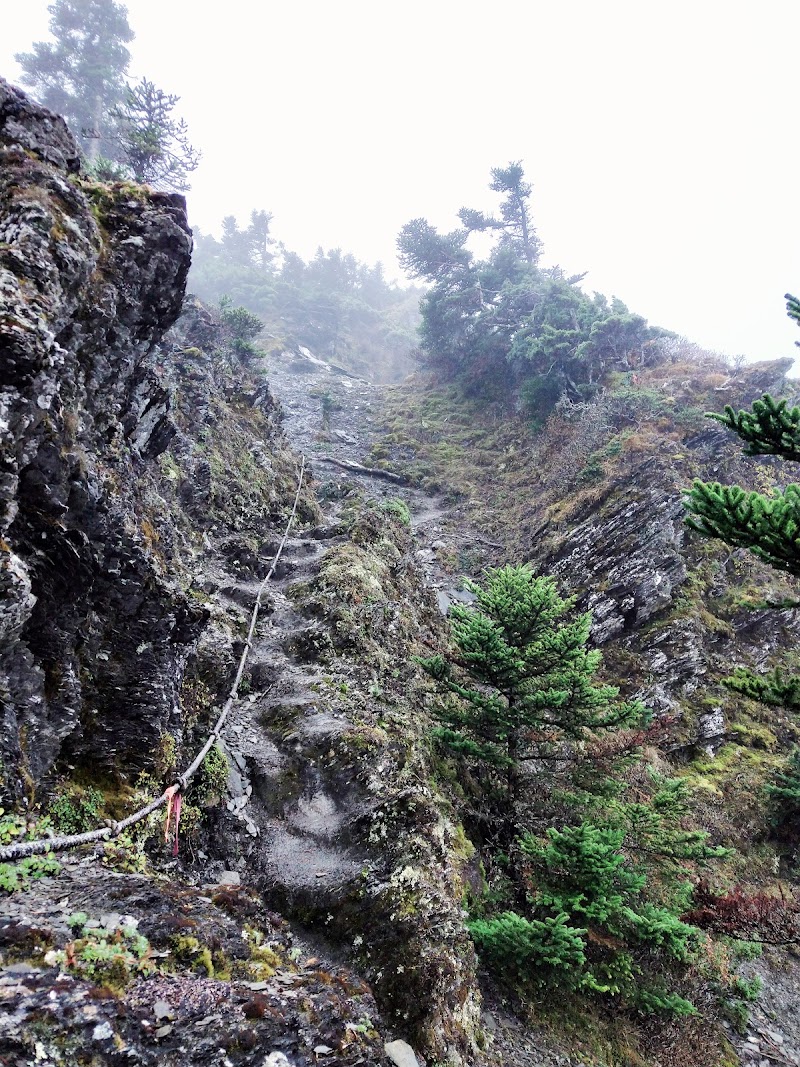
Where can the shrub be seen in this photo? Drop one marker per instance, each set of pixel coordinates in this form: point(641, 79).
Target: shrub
point(748, 917)
point(241, 327)
point(590, 928)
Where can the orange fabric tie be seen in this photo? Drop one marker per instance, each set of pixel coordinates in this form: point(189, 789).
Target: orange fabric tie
point(174, 803)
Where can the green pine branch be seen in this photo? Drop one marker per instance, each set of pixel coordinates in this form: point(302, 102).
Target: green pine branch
point(771, 428)
point(769, 527)
point(775, 689)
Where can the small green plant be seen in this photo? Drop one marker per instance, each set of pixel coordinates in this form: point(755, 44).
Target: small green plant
point(124, 853)
point(328, 404)
point(12, 828)
point(110, 957)
point(736, 1000)
point(593, 469)
point(76, 810)
point(364, 1026)
point(748, 989)
point(15, 876)
point(747, 950)
point(242, 327)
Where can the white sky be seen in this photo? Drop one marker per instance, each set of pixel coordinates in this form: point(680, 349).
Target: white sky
point(661, 138)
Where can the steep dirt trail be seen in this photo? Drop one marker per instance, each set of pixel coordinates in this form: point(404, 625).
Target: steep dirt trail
point(284, 727)
point(304, 384)
point(305, 822)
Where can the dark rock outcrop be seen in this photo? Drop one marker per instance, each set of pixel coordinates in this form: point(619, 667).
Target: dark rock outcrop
point(92, 636)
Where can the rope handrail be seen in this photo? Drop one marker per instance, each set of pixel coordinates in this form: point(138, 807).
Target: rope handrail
point(23, 849)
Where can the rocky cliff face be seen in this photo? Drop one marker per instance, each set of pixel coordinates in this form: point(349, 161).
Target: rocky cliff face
point(673, 612)
point(93, 637)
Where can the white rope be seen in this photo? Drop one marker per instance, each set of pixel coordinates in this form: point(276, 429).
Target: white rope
point(22, 849)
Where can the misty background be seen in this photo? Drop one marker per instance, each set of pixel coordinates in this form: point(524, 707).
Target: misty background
point(659, 140)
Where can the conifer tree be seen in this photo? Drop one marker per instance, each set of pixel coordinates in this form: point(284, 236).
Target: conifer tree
point(776, 688)
point(592, 906)
point(81, 73)
point(524, 675)
point(769, 527)
point(515, 224)
point(151, 141)
point(591, 926)
point(505, 323)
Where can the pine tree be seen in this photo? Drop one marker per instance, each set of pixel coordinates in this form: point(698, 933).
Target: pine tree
point(524, 675)
point(771, 428)
point(505, 323)
point(81, 73)
point(591, 927)
point(768, 526)
point(776, 688)
point(515, 224)
point(150, 140)
point(592, 907)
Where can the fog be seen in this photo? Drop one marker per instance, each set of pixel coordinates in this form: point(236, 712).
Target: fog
point(659, 138)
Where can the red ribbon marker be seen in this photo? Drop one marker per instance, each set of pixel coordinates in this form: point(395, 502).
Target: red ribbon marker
point(174, 803)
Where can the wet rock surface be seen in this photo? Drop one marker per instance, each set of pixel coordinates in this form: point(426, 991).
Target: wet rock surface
point(90, 279)
point(233, 983)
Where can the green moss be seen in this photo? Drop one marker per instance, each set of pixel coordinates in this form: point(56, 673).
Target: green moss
point(398, 508)
point(707, 772)
point(462, 848)
point(211, 782)
point(169, 466)
point(166, 756)
point(754, 735)
point(190, 952)
point(263, 961)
